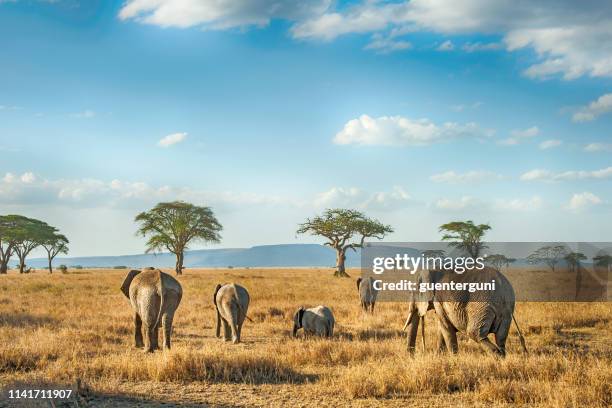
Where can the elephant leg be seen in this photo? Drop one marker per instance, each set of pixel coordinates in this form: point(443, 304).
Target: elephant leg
point(501, 335)
point(441, 342)
point(487, 345)
point(235, 332)
point(138, 331)
point(167, 324)
point(148, 335)
point(372, 307)
point(155, 337)
point(227, 334)
point(449, 335)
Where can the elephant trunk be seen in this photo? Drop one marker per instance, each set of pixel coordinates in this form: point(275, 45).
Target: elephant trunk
point(412, 323)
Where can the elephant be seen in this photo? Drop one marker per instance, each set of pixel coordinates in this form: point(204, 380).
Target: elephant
point(232, 302)
point(154, 296)
point(475, 314)
point(367, 293)
point(318, 321)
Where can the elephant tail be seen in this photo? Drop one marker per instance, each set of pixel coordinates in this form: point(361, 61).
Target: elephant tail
point(521, 338)
point(242, 310)
point(162, 295)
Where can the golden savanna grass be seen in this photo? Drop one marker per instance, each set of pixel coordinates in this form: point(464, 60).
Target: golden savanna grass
point(58, 328)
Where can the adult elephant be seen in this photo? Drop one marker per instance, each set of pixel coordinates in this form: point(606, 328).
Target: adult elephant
point(154, 296)
point(476, 314)
point(367, 293)
point(232, 302)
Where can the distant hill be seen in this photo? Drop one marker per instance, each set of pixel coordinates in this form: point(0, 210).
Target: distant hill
point(299, 255)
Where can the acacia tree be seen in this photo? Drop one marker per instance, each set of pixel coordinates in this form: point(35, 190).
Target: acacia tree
point(344, 230)
point(573, 260)
point(550, 255)
point(603, 260)
point(28, 233)
point(7, 241)
point(465, 235)
point(54, 244)
point(172, 226)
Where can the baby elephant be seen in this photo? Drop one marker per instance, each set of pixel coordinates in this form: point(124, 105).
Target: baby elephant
point(232, 302)
point(154, 296)
point(317, 321)
point(367, 293)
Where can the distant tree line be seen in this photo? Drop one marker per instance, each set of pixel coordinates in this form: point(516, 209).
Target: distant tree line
point(20, 235)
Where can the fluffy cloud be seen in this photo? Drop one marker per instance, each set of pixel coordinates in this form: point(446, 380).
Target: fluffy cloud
point(387, 44)
point(598, 147)
point(581, 201)
point(28, 189)
point(219, 14)
point(518, 135)
point(477, 46)
point(357, 198)
point(172, 139)
point(546, 175)
point(549, 144)
point(461, 204)
point(468, 177)
point(570, 39)
point(400, 131)
point(446, 46)
point(598, 107)
point(518, 204)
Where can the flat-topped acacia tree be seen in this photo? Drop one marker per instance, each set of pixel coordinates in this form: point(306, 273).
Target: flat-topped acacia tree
point(172, 226)
point(344, 230)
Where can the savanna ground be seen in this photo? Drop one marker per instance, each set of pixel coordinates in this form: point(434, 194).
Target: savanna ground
point(55, 329)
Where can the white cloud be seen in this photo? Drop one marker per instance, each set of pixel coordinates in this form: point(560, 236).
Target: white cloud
point(546, 175)
point(463, 107)
point(518, 135)
point(468, 177)
point(549, 144)
point(172, 139)
point(28, 177)
point(477, 46)
point(598, 147)
point(400, 131)
point(353, 197)
point(581, 201)
point(463, 203)
point(387, 44)
point(218, 14)
point(602, 105)
point(446, 46)
point(517, 204)
point(569, 38)
point(86, 114)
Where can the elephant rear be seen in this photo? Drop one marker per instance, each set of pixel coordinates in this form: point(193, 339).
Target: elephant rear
point(367, 293)
point(232, 303)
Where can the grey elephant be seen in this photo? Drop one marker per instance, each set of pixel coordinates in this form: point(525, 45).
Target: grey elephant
point(318, 321)
point(367, 293)
point(154, 296)
point(476, 314)
point(232, 303)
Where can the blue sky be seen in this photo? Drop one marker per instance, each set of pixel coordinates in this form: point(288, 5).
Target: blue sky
point(415, 112)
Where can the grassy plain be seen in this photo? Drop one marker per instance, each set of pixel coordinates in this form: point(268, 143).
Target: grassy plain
point(55, 329)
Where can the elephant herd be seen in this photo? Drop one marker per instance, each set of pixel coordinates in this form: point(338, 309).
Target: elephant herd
point(155, 296)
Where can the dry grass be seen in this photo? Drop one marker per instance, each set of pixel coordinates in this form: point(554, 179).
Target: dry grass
point(58, 328)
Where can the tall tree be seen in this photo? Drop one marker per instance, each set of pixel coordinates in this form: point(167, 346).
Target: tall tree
point(54, 243)
point(7, 240)
point(172, 226)
point(603, 260)
point(28, 234)
point(465, 235)
point(550, 255)
point(344, 230)
point(573, 260)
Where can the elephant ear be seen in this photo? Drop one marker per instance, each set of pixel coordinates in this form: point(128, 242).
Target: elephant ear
point(125, 287)
point(298, 316)
point(358, 282)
